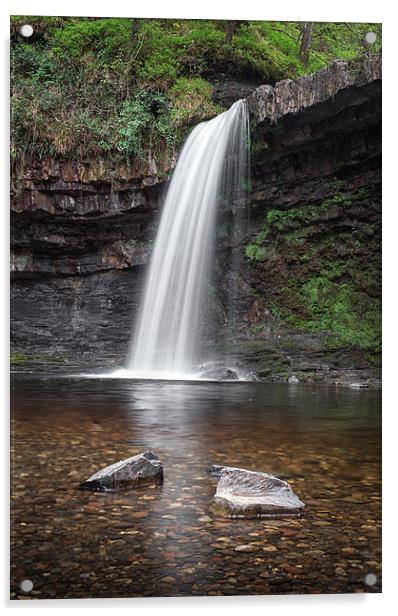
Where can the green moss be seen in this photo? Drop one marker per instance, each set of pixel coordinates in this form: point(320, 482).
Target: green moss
point(277, 312)
point(332, 184)
point(256, 250)
point(257, 329)
point(191, 101)
point(23, 358)
point(332, 287)
point(342, 310)
point(328, 276)
point(296, 237)
point(18, 358)
point(294, 225)
point(323, 303)
point(281, 219)
point(255, 253)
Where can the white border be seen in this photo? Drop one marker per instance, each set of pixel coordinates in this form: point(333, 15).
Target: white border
point(338, 10)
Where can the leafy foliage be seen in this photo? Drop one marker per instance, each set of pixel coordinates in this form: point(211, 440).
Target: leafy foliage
point(78, 80)
point(336, 304)
point(255, 252)
point(145, 114)
point(342, 310)
point(191, 101)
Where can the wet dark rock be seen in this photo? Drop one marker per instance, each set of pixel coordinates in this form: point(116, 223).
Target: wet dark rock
point(220, 374)
point(144, 468)
point(227, 91)
point(216, 469)
point(247, 494)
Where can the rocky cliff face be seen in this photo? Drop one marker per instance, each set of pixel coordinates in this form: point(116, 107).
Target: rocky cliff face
point(81, 233)
point(306, 265)
point(309, 300)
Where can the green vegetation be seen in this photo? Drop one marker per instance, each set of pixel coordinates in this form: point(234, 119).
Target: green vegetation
point(332, 286)
point(17, 359)
point(191, 101)
point(295, 223)
point(138, 118)
point(334, 302)
point(88, 87)
point(346, 314)
point(257, 328)
point(254, 252)
point(344, 311)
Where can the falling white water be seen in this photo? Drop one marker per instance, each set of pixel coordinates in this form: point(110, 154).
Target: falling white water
point(168, 341)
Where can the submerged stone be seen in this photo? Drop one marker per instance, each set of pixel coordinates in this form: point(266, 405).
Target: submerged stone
point(144, 468)
point(248, 494)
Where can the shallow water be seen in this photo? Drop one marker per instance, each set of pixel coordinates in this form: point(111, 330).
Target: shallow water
point(165, 541)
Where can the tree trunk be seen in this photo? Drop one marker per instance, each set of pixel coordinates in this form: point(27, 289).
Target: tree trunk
point(135, 26)
point(230, 28)
point(305, 42)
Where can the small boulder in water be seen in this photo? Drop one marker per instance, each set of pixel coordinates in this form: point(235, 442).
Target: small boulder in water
point(220, 374)
point(143, 469)
point(293, 379)
point(250, 494)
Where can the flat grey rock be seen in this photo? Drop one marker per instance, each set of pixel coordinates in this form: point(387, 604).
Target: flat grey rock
point(249, 494)
point(144, 468)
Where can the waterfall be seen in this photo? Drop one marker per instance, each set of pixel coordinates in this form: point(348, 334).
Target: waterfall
point(168, 335)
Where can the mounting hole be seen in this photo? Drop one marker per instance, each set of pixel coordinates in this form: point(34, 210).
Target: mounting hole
point(26, 585)
point(370, 38)
point(26, 30)
point(370, 579)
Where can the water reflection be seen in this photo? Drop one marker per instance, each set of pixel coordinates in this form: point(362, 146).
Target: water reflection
point(324, 440)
